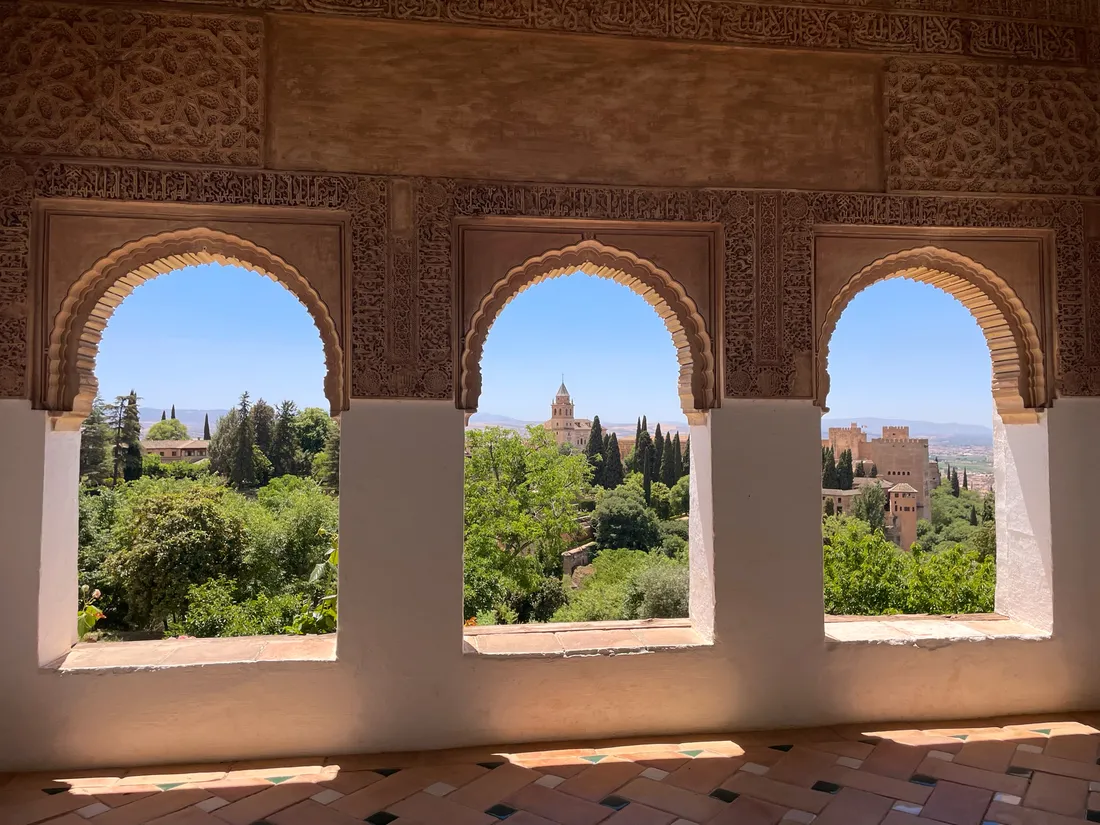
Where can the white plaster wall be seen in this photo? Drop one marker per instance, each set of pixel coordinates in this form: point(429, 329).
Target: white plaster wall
point(402, 681)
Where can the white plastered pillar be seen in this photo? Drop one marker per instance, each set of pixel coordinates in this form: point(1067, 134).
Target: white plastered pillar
point(401, 471)
point(39, 519)
point(765, 460)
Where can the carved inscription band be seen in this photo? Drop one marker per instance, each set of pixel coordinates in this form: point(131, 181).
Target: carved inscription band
point(402, 333)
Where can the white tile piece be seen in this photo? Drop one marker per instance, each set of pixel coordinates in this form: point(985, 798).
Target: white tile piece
point(211, 804)
point(804, 817)
point(848, 761)
point(439, 789)
point(942, 755)
point(755, 767)
point(550, 780)
point(1007, 798)
point(654, 773)
point(1094, 786)
point(326, 796)
point(1029, 748)
point(93, 810)
point(908, 808)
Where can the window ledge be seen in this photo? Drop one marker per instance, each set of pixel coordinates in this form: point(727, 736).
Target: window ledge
point(927, 631)
point(170, 653)
point(581, 639)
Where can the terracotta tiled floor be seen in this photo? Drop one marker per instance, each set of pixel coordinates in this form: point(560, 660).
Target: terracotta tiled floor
point(1034, 771)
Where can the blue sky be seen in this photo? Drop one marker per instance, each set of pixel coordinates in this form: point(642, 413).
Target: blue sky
point(197, 337)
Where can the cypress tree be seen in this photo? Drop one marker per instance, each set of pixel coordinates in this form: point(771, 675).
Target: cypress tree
point(973, 516)
point(593, 450)
point(829, 474)
point(844, 474)
point(966, 486)
point(874, 471)
point(164, 416)
point(860, 472)
point(988, 508)
point(263, 425)
point(95, 441)
point(286, 454)
point(668, 464)
point(830, 508)
point(687, 457)
point(612, 463)
point(206, 427)
point(173, 411)
point(645, 425)
point(647, 479)
point(242, 461)
point(131, 438)
point(658, 452)
point(678, 456)
point(955, 483)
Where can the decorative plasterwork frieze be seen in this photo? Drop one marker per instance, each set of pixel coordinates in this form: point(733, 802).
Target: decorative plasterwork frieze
point(401, 342)
point(984, 127)
point(1046, 31)
point(108, 82)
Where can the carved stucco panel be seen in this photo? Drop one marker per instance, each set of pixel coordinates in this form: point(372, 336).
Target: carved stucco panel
point(109, 82)
point(976, 127)
point(1037, 30)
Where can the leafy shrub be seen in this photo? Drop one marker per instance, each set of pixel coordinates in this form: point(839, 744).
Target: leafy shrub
point(214, 611)
point(658, 591)
point(679, 497)
point(621, 588)
point(622, 520)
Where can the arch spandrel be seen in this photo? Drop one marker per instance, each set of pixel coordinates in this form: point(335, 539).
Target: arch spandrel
point(694, 351)
point(1019, 381)
point(70, 385)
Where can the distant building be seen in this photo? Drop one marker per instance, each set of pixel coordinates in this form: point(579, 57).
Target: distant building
point(191, 449)
point(566, 428)
point(900, 507)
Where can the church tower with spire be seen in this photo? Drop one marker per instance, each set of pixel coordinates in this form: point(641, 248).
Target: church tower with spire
point(566, 428)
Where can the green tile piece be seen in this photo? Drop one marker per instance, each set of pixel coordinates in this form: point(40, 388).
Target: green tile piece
point(692, 754)
point(594, 759)
point(1044, 731)
point(275, 780)
point(962, 736)
point(167, 786)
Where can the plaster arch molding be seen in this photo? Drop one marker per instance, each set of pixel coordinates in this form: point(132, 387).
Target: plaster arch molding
point(697, 383)
point(70, 382)
point(1015, 348)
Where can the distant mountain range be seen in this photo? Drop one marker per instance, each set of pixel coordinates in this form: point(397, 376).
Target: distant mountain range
point(934, 431)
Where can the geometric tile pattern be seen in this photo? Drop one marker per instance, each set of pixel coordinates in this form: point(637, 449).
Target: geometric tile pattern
point(1022, 771)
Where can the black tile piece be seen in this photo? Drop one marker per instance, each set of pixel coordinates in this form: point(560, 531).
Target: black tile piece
point(52, 791)
point(386, 771)
point(723, 795)
point(490, 765)
point(870, 740)
point(783, 748)
point(1092, 816)
point(826, 787)
point(381, 818)
point(1015, 771)
point(615, 802)
point(500, 811)
point(922, 779)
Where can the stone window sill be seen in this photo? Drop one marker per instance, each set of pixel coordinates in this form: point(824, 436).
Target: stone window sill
point(927, 631)
point(581, 639)
point(169, 653)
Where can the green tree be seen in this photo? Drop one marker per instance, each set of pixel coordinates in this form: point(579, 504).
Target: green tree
point(263, 425)
point(687, 457)
point(965, 484)
point(659, 500)
point(830, 508)
point(286, 451)
point(622, 519)
point(844, 474)
point(678, 454)
point(621, 587)
point(173, 537)
point(326, 464)
point(829, 478)
point(613, 464)
point(864, 573)
point(170, 429)
point(206, 427)
point(988, 508)
point(220, 449)
point(173, 415)
point(679, 496)
point(658, 454)
point(125, 420)
point(312, 426)
point(860, 472)
point(955, 489)
point(668, 463)
point(95, 444)
point(869, 505)
point(242, 464)
point(874, 471)
point(163, 415)
point(973, 514)
point(593, 450)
